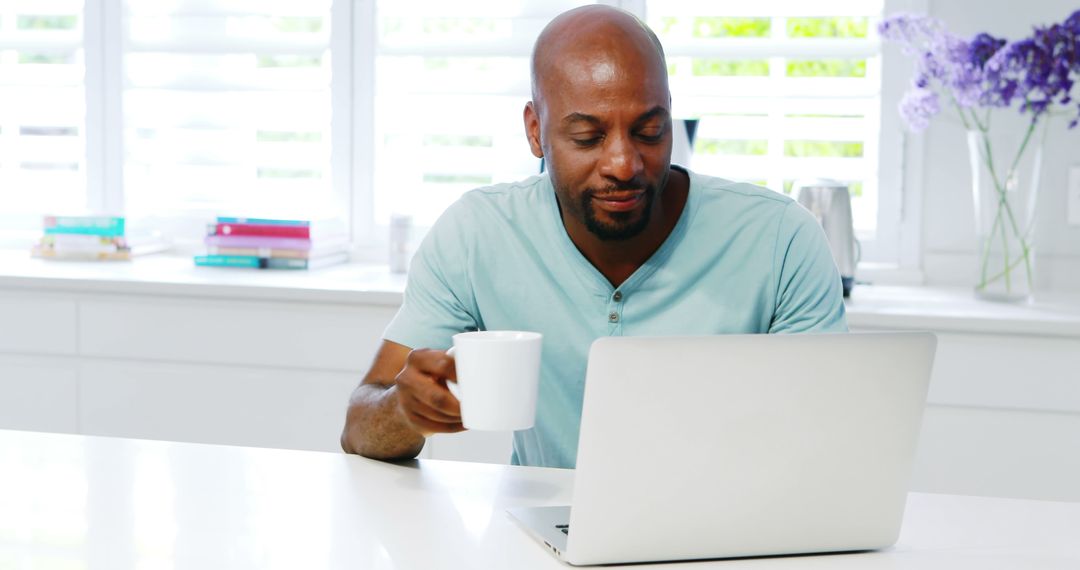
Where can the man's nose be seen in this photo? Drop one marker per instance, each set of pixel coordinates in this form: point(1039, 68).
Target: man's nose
point(622, 160)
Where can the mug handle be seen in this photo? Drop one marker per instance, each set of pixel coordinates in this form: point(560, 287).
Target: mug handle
point(452, 385)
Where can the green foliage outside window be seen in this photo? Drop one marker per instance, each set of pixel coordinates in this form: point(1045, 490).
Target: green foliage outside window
point(474, 179)
point(46, 58)
point(665, 25)
point(289, 173)
point(730, 68)
point(46, 22)
point(288, 136)
point(826, 149)
point(720, 27)
point(826, 68)
point(754, 147)
point(297, 24)
point(837, 27)
point(286, 60)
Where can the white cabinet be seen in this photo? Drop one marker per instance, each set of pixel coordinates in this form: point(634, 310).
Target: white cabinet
point(999, 452)
point(37, 323)
point(1002, 417)
point(282, 334)
point(234, 405)
point(38, 393)
point(211, 370)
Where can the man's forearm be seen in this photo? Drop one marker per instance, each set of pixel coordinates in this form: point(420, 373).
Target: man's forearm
point(374, 428)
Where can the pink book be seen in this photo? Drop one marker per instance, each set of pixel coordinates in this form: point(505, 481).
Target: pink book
point(259, 242)
point(230, 229)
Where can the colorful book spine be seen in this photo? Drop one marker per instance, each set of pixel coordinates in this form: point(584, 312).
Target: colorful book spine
point(89, 225)
point(229, 261)
point(83, 241)
point(259, 252)
point(258, 242)
point(315, 263)
point(284, 263)
point(263, 221)
point(224, 229)
point(80, 255)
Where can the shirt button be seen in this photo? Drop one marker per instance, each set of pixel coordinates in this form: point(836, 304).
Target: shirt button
point(613, 317)
point(617, 296)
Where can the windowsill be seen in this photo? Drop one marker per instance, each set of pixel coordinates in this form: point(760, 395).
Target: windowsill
point(871, 306)
point(164, 274)
point(956, 309)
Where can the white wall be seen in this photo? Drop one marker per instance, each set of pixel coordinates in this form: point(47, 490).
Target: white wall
point(948, 222)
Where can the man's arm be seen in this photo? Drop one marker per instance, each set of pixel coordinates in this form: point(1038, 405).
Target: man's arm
point(402, 399)
point(809, 296)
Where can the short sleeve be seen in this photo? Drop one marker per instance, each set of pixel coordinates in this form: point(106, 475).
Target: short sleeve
point(438, 301)
point(810, 295)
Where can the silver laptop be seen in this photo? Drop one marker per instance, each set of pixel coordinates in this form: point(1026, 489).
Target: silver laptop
point(744, 445)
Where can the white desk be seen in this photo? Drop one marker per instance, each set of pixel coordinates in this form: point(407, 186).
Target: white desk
point(98, 503)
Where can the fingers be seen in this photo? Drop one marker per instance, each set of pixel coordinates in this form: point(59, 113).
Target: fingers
point(423, 398)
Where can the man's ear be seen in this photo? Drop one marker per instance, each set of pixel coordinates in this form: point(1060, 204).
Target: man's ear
point(532, 129)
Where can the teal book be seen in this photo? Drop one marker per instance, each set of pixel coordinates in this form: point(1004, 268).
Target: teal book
point(304, 263)
point(262, 221)
point(229, 261)
point(87, 225)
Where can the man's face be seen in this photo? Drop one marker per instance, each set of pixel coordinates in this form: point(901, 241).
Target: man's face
point(604, 128)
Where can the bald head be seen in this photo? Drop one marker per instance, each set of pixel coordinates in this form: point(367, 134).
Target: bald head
point(594, 43)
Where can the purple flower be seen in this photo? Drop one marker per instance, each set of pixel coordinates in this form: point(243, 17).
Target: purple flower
point(918, 106)
point(1039, 72)
point(983, 47)
point(1072, 23)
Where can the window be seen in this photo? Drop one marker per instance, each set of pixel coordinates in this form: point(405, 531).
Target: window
point(785, 91)
point(42, 109)
point(175, 111)
point(227, 107)
point(451, 82)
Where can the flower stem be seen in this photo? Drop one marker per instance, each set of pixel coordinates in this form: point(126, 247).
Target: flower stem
point(1004, 209)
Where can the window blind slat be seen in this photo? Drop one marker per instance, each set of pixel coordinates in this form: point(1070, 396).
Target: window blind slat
point(765, 48)
point(231, 100)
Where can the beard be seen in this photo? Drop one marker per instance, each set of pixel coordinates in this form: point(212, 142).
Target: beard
point(622, 225)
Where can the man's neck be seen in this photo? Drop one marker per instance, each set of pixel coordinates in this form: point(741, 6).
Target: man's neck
point(618, 260)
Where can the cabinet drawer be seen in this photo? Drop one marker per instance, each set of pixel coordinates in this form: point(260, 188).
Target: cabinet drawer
point(331, 337)
point(231, 405)
point(38, 393)
point(37, 323)
point(1018, 372)
point(1006, 371)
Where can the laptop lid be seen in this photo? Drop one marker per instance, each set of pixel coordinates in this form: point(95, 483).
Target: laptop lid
point(745, 445)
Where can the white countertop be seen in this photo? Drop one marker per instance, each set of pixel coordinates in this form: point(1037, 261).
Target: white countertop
point(871, 306)
point(174, 275)
point(104, 503)
point(957, 310)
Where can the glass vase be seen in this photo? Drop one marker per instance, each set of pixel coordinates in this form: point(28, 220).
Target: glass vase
point(1005, 176)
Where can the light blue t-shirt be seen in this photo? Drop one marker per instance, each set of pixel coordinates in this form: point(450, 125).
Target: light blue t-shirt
point(741, 259)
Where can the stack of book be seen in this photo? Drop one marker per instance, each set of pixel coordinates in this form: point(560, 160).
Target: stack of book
point(265, 243)
point(83, 238)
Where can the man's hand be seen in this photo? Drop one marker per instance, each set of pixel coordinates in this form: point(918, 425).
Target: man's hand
point(423, 398)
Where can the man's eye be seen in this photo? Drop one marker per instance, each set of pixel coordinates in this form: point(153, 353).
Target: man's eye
point(651, 136)
point(586, 141)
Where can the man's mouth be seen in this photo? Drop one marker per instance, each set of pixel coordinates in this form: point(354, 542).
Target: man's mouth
point(619, 201)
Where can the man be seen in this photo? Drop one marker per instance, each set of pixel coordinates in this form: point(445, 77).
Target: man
point(613, 241)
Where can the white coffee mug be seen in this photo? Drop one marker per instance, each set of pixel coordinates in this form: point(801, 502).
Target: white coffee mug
point(498, 375)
